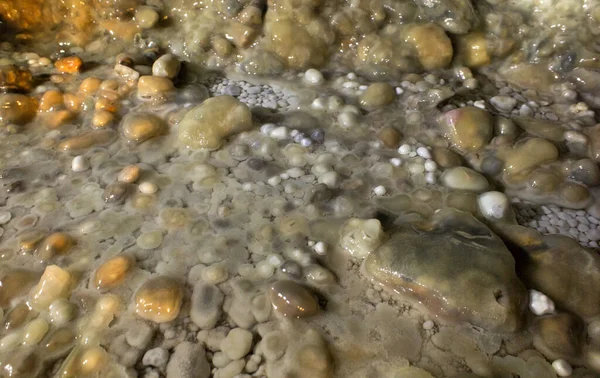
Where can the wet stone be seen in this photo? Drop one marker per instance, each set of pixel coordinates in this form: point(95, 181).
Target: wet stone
point(463, 178)
point(559, 336)
point(188, 361)
point(115, 193)
point(377, 95)
point(468, 128)
point(456, 267)
point(530, 154)
point(138, 127)
point(159, 299)
point(292, 299)
point(206, 302)
point(112, 272)
point(209, 124)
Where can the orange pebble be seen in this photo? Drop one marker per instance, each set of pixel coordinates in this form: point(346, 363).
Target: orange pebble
point(58, 118)
point(72, 102)
point(51, 100)
point(90, 85)
point(70, 64)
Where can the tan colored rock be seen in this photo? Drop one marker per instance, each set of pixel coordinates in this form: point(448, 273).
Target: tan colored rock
point(389, 136)
point(434, 48)
point(57, 243)
point(86, 140)
point(473, 50)
point(469, 128)
point(294, 44)
point(445, 158)
point(90, 85)
point(138, 127)
point(112, 272)
point(55, 283)
point(377, 95)
point(159, 299)
point(210, 123)
point(16, 108)
point(292, 299)
point(528, 155)
point(51, 100)
point(102, 118)
point(154, 88)
point(14, 283)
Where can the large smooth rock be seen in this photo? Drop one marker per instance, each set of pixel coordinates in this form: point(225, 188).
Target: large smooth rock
point(557, 266)
point(456, 267)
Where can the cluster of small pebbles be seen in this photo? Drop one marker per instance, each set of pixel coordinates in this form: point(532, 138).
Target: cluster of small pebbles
point(299, 189)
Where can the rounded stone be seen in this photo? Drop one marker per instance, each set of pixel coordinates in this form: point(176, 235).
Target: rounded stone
point(433, 47)
point(138, 127)
point(112, 272)
point(468, 128)
point(146, 17)
point(159, 299)
point(377, 95)
point(166, 66)
point(463, 178)
point(210, 123)
point(237, 344)
point(493, 205)
point(292, 299)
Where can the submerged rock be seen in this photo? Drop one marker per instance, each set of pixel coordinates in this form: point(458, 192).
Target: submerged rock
point(457, 267)
point(559, 336)
point(469, 129)
point(557, 266)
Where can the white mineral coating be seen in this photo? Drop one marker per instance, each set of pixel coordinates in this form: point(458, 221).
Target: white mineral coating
point(188, 361)
point(361, 236)
point(206, 303)
point(493, 205)
point(157, 357)
point(237, 344)
point(540, 304)
point(139, 334)
point(313, 76)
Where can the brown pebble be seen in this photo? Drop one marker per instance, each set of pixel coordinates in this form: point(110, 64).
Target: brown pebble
point(292, 299)
point(90, 85)
point(14, 283)
point(115, 192)
point(138, 127)
point(112, 272)
point(129, 174)
point(51, 100)
point(70, 64)
point(102, 118)
point(17, 316)
point(574, 193)
point(159, 299)
point(57, 243)
point(446, 158)
point(57, 118)
point(72, 102)
point(154, 87)
point(86, 140)
point(389, 136)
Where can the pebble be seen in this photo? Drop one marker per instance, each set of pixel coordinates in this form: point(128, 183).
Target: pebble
point(166, 66)
point(493, 205)
point(348, 119)
point(188, 361)
point(331, 179)
point(129, 174)
point(112, 272)
point(280, 133)
point(313, 76)
point(540, 304)
point(148, 187)
point(159, 299)
point(5, 217)
point(139, 127)
point(562, 368)
point(205, 308)
point(428, 325)
point(146, 17)
point(237, 344)
point(379, 190)
point(503, 103)
point(156, 357)
point(320, 248)
point(292, 299)
point(80, 164)
point(463, 178)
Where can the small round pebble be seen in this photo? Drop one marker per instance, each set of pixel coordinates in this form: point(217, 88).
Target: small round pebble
point(80, 164)
point(157, 357)
point(428, 324)
point(562, 368)
point(313, 76)
point(147, 187)
point(493, 205)
point(379, 190)
point(5, 217)
point(320, 248)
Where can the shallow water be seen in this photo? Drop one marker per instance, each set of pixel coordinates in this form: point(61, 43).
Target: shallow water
point(299, 189)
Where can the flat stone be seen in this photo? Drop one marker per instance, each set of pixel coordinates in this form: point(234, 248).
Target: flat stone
point(206, 302)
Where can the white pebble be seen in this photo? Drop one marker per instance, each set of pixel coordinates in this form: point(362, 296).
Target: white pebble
point(265, 269)
point(351, 76)
point(319, 104)
point(237, 343)
point(348, 119)
point(399, 91)
point(313, 76)
point(331, 179)
point(248, 187)
point(280, 132)
point(275, 260)
point(430, 166)
point(274, 181)
point(320, 248)
point(5, 216)
point(562, 368)
point(267, 128)
point(379, 190)
point(428, 324)
point(147, 187)
point(306, 142)
point(539, 303)
point(405, 149)
point(424, 152)
point(295, 172)
point(395, 162)
point(80, 164)
point(430, 178)
point(493, 205)
point(284, 176)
